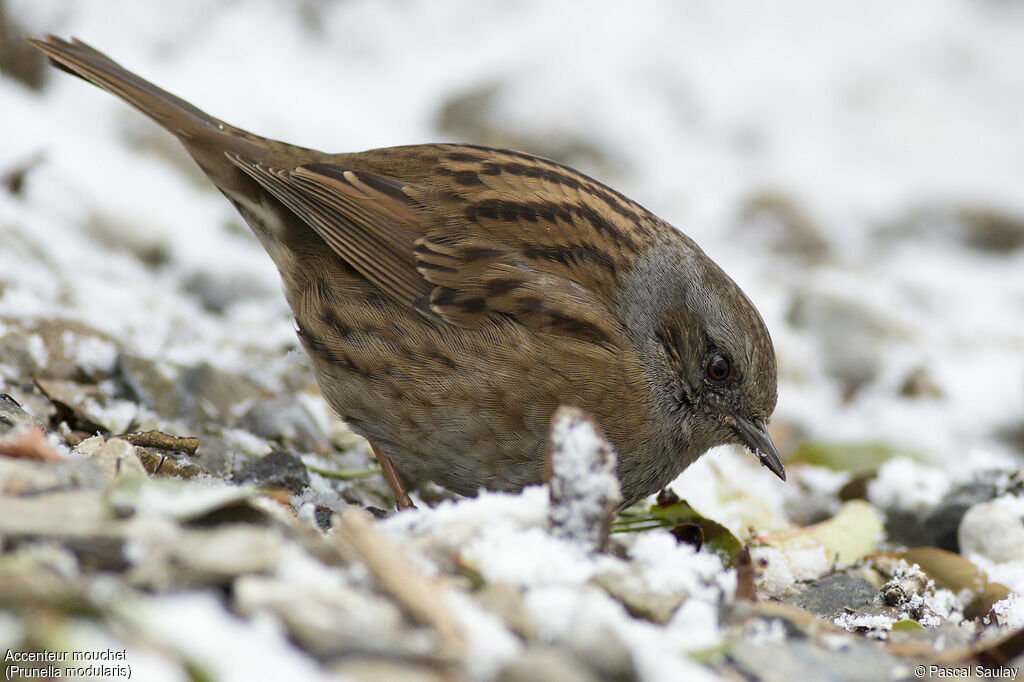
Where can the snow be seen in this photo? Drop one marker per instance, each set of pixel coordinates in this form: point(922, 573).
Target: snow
point(1010, 611)
point(878, 625)
point(584, 487)
point(490, 644)
point(216, 641)
point(91, 353)
point(994, 530)
point(783, 569)
point(504, 538)
point(905, 484)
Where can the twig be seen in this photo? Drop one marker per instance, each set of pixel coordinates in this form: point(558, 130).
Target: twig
point(397, 576)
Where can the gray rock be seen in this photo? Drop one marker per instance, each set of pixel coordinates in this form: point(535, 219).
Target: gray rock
point(177, 556)
point(56, 349)
point(116, 456)
point(942, 523)
point(829, 596)
point(216, 395)
point(12, 416)
point(986, 229)
point(806, 660)
point(148, 383)
point(217, 292)
point(364, 668)
point(32, 477)
point(279, 469)
point(336, 620)
point(601, 648)
point(286, 420)
point(640, 601)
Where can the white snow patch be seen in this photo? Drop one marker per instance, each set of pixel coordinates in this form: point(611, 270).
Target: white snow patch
point(202, 631)
point(782, 570)
point(878, 625)
point(584, 486)
point(905, 484)
point(1010, 611)
point(37, 350)
point(490, 643)
point(91, 353)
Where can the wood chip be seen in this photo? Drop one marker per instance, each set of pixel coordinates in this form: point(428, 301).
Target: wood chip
point(396, 575)
point(162, 441)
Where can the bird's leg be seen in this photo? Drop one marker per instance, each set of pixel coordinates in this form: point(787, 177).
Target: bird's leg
point(391, 476)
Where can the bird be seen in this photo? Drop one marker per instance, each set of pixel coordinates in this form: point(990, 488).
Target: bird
point(452, 296)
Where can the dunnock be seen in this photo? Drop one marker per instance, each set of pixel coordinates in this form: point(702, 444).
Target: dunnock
point(451, 297)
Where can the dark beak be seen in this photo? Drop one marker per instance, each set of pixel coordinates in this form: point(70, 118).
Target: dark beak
point(754, 434)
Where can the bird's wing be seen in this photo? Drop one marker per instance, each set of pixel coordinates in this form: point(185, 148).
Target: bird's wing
point(472, 235)
point(358, 214)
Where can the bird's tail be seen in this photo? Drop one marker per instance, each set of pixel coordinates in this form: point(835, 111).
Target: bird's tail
point(170, 111)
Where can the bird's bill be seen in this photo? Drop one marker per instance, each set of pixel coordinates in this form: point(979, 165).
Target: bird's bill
point(754, 434)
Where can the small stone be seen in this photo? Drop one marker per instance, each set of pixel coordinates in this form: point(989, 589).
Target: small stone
point(12, 415)
point(640, 601)
point(287, 421)
point(601, 648)
point(54, 348)
point(992, 530)
point(164, 463)
point(149, 383)
point(334, 618)
point(220, 554)
point(941, 525)
point(986, 229)
point(162, 441)
point(217, 292)
point(475, 114)
point(829, 596)
point(118, 457)
point(80, 405)
point(216, 395)
point(505, 600)
point(279, 469)
point(32, 477)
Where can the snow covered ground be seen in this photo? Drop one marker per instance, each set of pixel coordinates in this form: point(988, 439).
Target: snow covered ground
point(856, 168)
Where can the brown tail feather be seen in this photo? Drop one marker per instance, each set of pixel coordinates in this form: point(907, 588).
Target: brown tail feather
point(88, 63)
point(206, 138)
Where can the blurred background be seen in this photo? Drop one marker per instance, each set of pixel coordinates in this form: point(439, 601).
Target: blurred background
point(857, 169)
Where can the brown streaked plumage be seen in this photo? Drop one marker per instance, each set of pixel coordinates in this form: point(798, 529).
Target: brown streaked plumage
point(452, 296)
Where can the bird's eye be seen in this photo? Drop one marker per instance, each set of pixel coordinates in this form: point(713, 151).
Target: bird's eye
point(718, 367)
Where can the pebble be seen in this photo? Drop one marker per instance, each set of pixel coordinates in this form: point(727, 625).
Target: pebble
point(992, 530)
point(279, 469)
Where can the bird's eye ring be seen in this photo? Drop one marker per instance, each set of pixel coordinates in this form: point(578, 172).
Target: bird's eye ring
point(719, 367)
